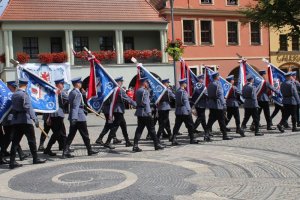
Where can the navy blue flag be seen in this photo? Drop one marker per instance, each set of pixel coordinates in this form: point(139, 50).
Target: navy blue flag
point(276, 77)
point(194, 78)
point(42, 94)
point(5, 100)
point(105, 85)
point(157, 88)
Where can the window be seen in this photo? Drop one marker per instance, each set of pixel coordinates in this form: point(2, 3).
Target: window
point(295, 43)
point(31, 46)
point(106, 43)
point(80, 43)
point(283, 43)
point(233, 38)
point(255, 33)
point(189, 31)
point(206, 32)
point(128, 43)
point(56, 45)
point(206, 1)
point(232, 2)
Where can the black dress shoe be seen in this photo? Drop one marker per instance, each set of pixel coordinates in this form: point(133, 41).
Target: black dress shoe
point(175, 143)
point(148, 137)
point(227, 138)
point(179, 133)
point(286, 126)
point(136, 149)
point(241, 132)
point(252, 127)
point(39, 161)
point(14, 165)
point(259, 134)
point(49, 153)
point(92, 152)
point(6, 154)
point(228, 130)
point(67, 155)
point(99, 141)
point(194, 142)
point(128, 144)
point(41, 148)
point(295, 130)
point(159, 147)
point(165, 136)
point(109, 146)
point(196, 131)
point(270, 128)
point(298, 124)
point(280, 128)
point(4, 162)
point(24, 156)
point(116, 141)
point(207, 139)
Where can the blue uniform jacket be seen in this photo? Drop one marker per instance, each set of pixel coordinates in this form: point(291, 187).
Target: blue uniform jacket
point(143, 108)
point(215, 96)
point(249, 93)
point(76, 106)
point(183, 106)
point(289, 93)
point(164, 103)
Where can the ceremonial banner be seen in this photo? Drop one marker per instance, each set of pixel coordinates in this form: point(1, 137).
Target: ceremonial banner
point(5, 100)
point(101, 86)
point(225, 84)
point(51, 72)
point(246, 69)
point(157, 88)
point(186, 73)
point(276, 77)
point(43, 94)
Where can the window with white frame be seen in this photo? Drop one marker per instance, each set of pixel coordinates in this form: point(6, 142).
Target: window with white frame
point(189, 32)
point(232, 33)
point(206, 32)
point(255, 33)
point(206, 1)
point(232, 2)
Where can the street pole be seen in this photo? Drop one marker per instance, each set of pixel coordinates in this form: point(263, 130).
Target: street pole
point(173, 37)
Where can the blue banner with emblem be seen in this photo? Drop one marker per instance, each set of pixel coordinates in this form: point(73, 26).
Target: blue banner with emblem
point(276, 77)
point(105, 86)
point(42, 94)
point(157, 88)
point(5, 100)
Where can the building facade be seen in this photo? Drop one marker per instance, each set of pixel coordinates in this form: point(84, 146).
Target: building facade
point(39, 26)
point(214, 32)
point(285, 50)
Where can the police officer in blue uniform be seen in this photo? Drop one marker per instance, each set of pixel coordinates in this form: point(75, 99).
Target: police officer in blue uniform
point(23, 115)
point(119, 120)
point(263, 100)
point(250, 104)
point(233, 103)
point(217, 106)
point(143, 113)
point(57, 119)
point(290, 101)
point(296, 82)
point(7, 127)
point(183, 113)
point(164, 108)
point(77, 119)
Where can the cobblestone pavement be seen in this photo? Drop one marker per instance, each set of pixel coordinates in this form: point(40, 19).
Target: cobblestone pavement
point(256, 168)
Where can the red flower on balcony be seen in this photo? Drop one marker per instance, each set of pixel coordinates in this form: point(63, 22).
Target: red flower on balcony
point(145, 54)
point(45, 58)
point(2, 58)
point(156, 53)
point(22, 57)
point(59, 57)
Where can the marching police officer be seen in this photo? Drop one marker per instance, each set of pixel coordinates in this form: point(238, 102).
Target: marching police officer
point(119, 120)
point(23, 115)
point(143, 113)
point(296, 82)
point(164, 108)
point(183, 113)
point(7, 127)
point(263, 100)
point(217, 105)
point(233, 104)
point(250, 104)
point(290, 101)
point(200, 102)
point(57, 119)
point(77, 119)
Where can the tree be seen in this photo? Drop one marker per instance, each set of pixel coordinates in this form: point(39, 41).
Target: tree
point(276, 14)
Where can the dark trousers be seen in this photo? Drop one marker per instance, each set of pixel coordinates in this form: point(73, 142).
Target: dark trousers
point(189, 124)
point(142, 123)
point(214, 115)
point(82, 128)
point(276, 110)
point(251, 112)
point(233, 111)
point(7, 138)
point(119, 120)
point(59, 132)
point(47, 130)
point(298, 114)
point(289, 110)
point(107, 126)
point(264, 105)
point(18, 130)
point(201, 118)
point(164, 123)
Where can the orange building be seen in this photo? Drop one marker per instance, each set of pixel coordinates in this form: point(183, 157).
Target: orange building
point(214, 32)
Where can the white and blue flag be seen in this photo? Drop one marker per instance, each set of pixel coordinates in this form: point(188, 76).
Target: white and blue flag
point(5, 100)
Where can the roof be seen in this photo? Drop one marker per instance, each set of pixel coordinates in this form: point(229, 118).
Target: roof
point(158, 4)
point(81, 11)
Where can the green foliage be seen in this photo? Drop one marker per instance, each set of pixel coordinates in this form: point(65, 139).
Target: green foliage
point(276, 14)
point(175, 50)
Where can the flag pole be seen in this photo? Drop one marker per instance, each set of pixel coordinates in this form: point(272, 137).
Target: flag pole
point(43, 132)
